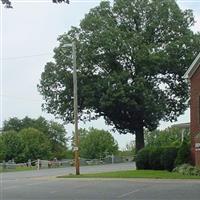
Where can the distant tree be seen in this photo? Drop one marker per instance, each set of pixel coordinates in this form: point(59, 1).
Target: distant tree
point(8, 4)
point(2, 149)
point(35, 145)
point(13, 145)
point(17, 124)
point(131, 58)
point(58, 140)
point(129, 150)
point(96, 143)
point(130, 146)
point(169, 137)
point(14, 124)
point(53, 131)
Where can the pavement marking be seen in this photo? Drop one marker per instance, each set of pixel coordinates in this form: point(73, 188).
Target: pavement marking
point(32, 184)
point(128, 193)
point(52, 192)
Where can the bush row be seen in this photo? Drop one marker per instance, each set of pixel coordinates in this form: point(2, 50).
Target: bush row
point(163, 158)
point(160, 158)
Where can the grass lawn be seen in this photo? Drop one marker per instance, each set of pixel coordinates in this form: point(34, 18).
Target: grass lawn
point(154, 174)
point(17, 169)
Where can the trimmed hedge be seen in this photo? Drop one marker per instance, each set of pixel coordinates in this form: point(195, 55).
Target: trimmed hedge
point(160, 158)
point(142, 159)
point(168, 158)
point(155, 158)
point(183, 155)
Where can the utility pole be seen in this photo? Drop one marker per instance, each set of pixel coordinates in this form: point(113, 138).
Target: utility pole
point(76, 133)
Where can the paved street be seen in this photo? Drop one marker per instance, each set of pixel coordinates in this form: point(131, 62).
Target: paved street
point(43, 185)
point(67, 170)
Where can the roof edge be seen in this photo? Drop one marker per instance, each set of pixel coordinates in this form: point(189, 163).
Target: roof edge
point(193, 67)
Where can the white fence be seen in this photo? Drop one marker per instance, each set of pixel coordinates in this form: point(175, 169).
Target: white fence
point(45, 164)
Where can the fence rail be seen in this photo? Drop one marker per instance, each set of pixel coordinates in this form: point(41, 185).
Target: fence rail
point(45, 164)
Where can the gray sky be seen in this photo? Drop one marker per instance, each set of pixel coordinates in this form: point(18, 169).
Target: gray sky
point(29, 34)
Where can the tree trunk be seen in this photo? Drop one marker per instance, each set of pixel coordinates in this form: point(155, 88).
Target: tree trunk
point(139, 138)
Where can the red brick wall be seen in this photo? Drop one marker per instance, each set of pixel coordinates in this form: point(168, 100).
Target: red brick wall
point(194, 103)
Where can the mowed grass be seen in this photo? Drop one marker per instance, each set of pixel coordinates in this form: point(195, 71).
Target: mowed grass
point(153, 174)
point(17, 169)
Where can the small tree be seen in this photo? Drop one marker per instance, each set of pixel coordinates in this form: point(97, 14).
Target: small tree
point(13, 145)
point(2, 149)
point(183, 155)
point(96, 143)
point(34, 144)
point(53, 131)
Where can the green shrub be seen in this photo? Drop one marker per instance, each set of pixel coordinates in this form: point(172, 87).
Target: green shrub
point(142, 159)
point(183, 155)
point(154, 158)
point(168, 158)
point(187, 169)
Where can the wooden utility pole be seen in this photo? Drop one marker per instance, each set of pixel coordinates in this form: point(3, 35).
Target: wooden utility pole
point(76, 133)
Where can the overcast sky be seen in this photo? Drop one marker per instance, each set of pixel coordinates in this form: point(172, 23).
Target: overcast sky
point(29, 34)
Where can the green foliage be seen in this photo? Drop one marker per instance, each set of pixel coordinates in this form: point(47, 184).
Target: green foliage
point(58, 140)
point(129, 151)
point(69, 154)
point(187, 169)
point(125, 53)
point(25, 135)
point(35, 144)
point(96, 143)
point(168, 158)
point(13, 145)
point(169, 137)
point(183, 155)
point(157, 158)
point(2, 149)
point(142, 159)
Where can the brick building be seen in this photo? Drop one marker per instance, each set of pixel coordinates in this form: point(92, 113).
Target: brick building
point(193, 75)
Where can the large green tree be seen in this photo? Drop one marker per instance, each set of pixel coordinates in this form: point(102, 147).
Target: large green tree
point(131, 58)
point(96, 143)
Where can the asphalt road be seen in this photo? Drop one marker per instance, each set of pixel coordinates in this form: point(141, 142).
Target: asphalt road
point(67, 170)
point(42, 186)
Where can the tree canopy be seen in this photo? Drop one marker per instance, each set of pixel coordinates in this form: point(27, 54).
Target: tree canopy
point(169, 137)
point(131, 58)
point(95, 144)
point(28, 138)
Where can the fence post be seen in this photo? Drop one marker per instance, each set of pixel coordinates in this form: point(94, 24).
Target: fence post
point(112, 158)
point(38, 164)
